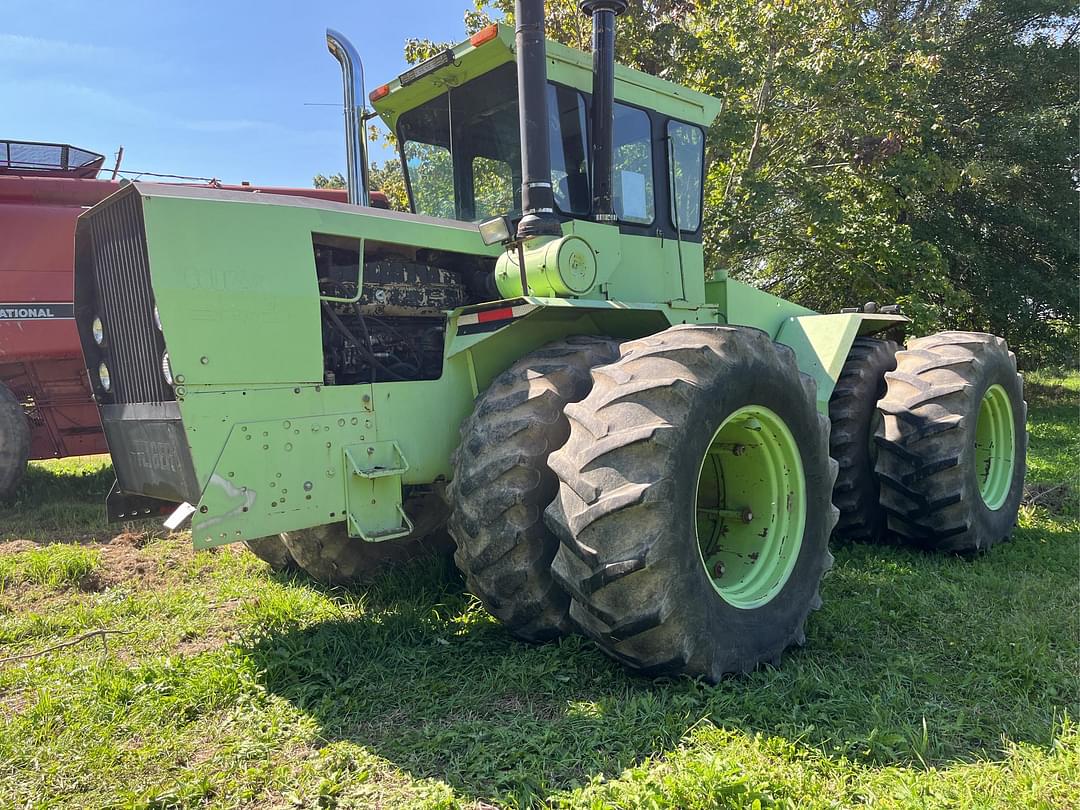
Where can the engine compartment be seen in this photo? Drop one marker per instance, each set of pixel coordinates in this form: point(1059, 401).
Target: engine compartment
point(394, 330)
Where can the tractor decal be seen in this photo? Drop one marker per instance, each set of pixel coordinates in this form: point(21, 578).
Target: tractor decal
point(36, 312)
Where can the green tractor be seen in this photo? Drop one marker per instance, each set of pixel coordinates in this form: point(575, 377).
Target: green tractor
point(534, 360)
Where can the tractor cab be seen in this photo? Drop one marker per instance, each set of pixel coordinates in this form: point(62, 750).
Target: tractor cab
point(456, 121)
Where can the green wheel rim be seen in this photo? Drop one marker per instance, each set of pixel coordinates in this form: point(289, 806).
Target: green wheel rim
point(751, 507)
point(995, 447)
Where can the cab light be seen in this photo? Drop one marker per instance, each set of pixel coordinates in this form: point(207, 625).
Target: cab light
point(495, 231)
point(439, 60)
point(484, 35)
point(379, 92)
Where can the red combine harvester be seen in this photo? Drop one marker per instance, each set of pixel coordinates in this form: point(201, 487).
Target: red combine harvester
point(46, 404)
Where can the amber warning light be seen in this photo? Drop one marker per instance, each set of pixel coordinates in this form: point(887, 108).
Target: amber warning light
point(484, 35)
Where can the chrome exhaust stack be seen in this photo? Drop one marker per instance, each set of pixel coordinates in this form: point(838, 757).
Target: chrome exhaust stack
point(352, 78)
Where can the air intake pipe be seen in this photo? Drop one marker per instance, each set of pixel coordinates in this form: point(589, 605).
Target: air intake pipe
point(603, 14)
point(352, 78)
point(537, 199)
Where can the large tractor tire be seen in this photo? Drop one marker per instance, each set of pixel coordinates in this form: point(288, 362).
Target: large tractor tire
point(14, 442)
point(328, 555)
point(853, 414)
point(694, 507)
point(273, 552)
point(952, 443)
point(502, 484)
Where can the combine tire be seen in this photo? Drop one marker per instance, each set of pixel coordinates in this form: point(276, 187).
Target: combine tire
point(952, 444)
point(853, 413)
point(502, 484)
point(272, 551)
point(14, 442)
point(327, 553)
point(694, 506)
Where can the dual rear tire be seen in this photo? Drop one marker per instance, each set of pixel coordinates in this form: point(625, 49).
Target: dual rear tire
point(931, 442)
point(686, 479)
point(952, 443)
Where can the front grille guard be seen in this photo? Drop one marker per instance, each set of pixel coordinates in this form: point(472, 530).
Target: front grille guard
point(139, 411)
point(113, 283)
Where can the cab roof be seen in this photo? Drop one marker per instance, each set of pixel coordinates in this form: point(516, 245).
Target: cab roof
point(494, 46)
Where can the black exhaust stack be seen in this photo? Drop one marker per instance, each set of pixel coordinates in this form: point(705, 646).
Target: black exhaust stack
point(603, 13)
point(537, 199)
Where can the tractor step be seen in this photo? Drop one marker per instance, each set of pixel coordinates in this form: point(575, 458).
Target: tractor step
point(373, 491)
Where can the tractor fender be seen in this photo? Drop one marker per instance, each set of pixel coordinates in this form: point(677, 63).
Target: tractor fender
point(493, 335)
point(821, 343)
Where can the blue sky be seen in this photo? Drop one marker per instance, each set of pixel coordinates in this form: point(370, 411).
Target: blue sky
point(209, 89)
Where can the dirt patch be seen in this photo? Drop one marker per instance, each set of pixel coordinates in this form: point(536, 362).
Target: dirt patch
point(15, 702)
point(133, 539)
point(200, 645)
point(1057, 499)
point(125, 560)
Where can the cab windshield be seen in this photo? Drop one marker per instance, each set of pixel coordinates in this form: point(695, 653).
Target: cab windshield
point(462, 152)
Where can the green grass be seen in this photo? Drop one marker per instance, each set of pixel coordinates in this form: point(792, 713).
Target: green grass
point(927, 681)
point(53, 565)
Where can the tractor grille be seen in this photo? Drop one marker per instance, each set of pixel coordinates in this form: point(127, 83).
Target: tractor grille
point(134, 346)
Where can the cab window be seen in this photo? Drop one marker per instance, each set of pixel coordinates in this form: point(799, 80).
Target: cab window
point(431, 172)
point(462, 153)
point(569, 152)
point(493, 187)
point(686, 153)
point(632, 166)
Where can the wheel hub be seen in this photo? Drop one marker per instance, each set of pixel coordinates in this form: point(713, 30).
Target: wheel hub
point(995, 447)
point(751, 507)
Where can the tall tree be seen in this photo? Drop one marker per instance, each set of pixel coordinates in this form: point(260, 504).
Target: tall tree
point(1007, 228)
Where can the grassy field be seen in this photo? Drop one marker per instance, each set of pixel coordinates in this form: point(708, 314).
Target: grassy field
point(927, 681)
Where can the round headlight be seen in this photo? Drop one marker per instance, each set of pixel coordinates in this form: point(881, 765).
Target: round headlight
point(166, 368)
point(103, 377)
point(157, 319)
point(98, 331)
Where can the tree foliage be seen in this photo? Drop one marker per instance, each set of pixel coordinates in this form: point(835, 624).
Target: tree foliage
point(385, 177)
